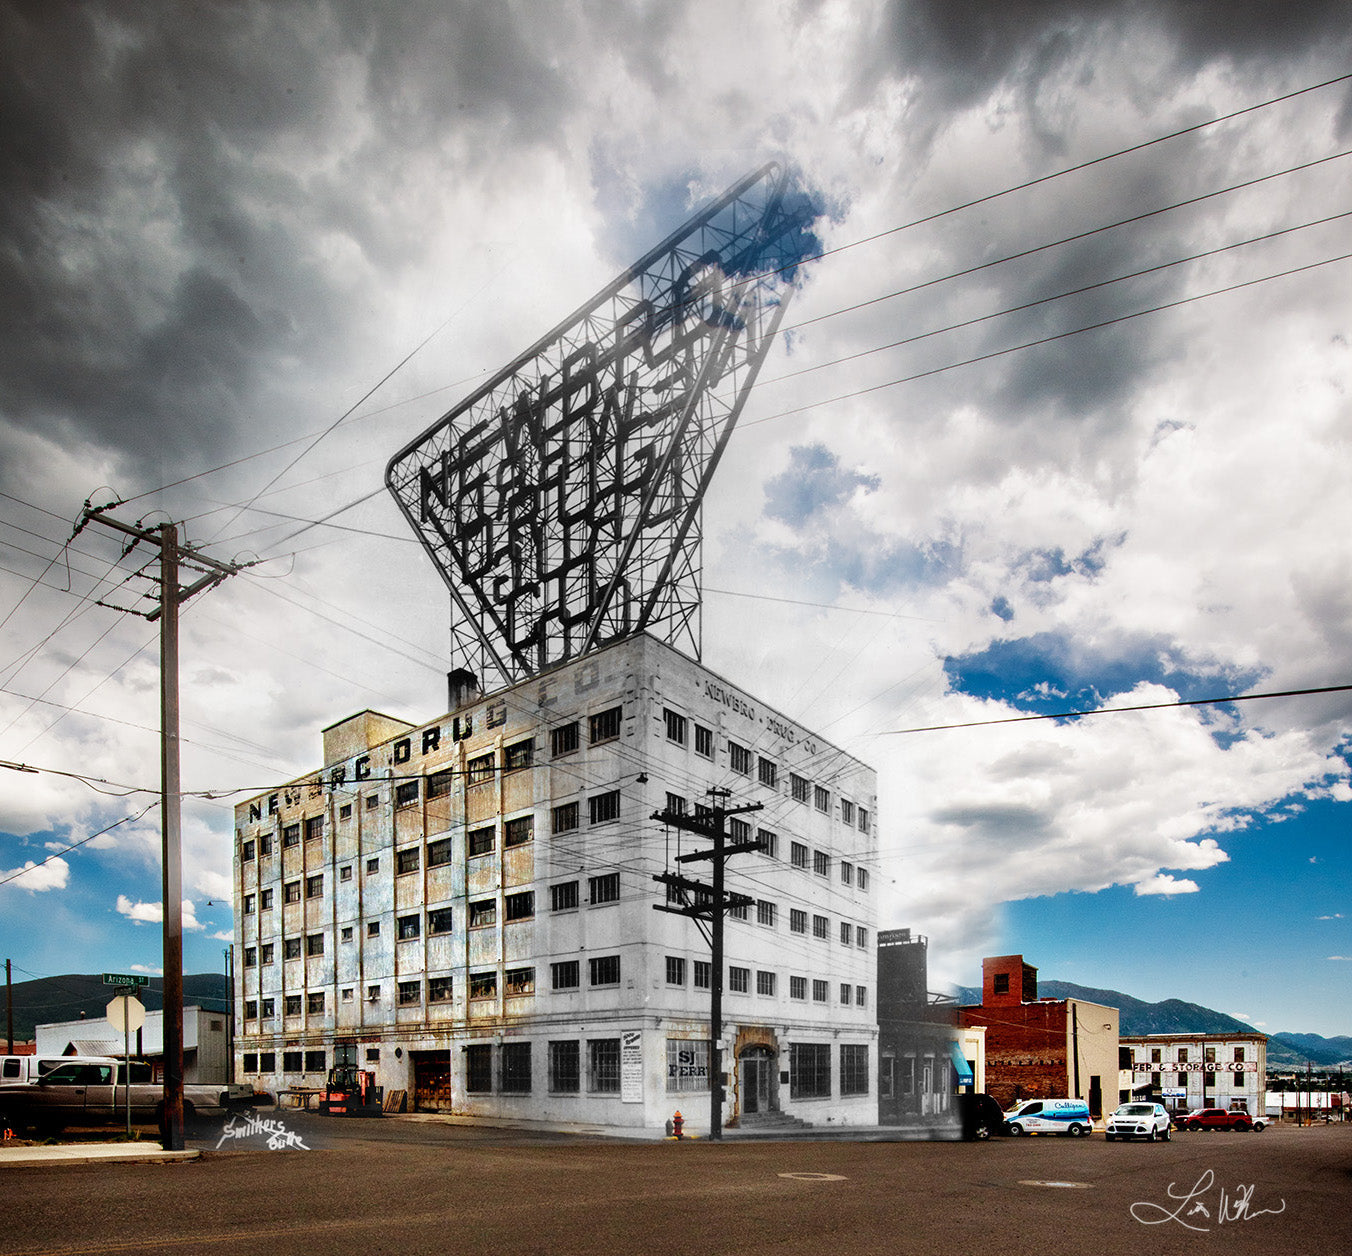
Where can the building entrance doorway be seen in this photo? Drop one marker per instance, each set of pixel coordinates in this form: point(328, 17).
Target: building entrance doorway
point(432, 1081)
point(760, 1091)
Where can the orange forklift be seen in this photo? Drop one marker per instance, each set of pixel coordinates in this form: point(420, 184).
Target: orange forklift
point(352, 1092)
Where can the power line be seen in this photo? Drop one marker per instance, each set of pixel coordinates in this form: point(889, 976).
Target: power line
point(1145, 706)
point(65, 850)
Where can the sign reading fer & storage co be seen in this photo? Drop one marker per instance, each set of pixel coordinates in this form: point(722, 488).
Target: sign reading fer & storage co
point(1196, 1066)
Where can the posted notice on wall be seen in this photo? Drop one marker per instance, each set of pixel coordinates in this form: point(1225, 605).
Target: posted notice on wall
point(631, 1066)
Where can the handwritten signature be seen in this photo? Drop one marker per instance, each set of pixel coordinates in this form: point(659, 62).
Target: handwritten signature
point(1191, 1209)
point(253, 1126)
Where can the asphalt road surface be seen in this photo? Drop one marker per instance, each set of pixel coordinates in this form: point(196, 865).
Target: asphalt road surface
point(405, 1187)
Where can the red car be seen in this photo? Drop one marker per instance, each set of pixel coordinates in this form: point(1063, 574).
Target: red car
point(1215, 1119)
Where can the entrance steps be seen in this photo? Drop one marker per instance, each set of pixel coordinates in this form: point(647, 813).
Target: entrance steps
point(771, 1122)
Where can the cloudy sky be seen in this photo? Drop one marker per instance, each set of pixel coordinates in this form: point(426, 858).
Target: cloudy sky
point(223, 228)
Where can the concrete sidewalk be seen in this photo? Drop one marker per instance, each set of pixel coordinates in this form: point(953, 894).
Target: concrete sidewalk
point(13, 1156)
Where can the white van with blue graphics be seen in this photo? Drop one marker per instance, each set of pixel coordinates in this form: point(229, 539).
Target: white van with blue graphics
point(1050, 1116)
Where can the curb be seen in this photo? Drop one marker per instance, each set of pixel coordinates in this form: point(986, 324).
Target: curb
point(90, 1153)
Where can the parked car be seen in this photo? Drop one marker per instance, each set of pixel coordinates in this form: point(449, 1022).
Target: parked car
point(1216, 1119)
point(1050, 1116)
point(96, 1094)
point(1138, 1120)
point(981, 1116)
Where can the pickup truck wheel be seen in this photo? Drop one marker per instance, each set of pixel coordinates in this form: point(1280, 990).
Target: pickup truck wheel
point(1241, 1126)
point(1194, 1126)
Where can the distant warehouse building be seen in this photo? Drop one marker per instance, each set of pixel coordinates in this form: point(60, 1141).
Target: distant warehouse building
point(466, 907)
point(1189, 1071)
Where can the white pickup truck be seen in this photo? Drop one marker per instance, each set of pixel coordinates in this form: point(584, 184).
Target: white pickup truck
point(85, 1093)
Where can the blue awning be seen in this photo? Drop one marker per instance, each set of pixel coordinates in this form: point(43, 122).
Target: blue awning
point(965, 1077)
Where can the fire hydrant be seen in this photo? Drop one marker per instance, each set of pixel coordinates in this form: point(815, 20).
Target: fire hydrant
point(677, 1125)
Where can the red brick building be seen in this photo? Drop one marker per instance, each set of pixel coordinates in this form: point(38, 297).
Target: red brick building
point(1042, 1048)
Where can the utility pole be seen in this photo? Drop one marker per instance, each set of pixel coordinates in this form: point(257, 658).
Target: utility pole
point(171, 597)
point(9, 1010)
point(710, 902)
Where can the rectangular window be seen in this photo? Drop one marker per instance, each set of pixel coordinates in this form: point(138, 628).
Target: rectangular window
point(265, 953)
point(565, 1068)
point(563, 740)
point(314, 944)
point(704, 741)
point(314, 886)
point(264, 844)
point(738, 911)
point(766, 913)
point(314, 1003)
point(861, 996)
point(846, 811)
point(846, 872)
point(316, 1061)
point(820, 927)
point(439, 852)
point(676, 727)
point(518, 981)
point(766, 772)
point(372, 801)
point(765, 982)
point(820, 989)
point(846, 993)
point(704, 974)
point(250, 1057)
point(515, 1068)
point(739, 980)
point(860, 935)
point(480, 841)
point(565, 975)
point(769, 842)
point(675, 970)
point(405, 793)
point(440, 784)
point(853, 1069)
point(345, 872)
point(291, 892)
point(603, 807)
point(372, 866)
point(797, 920)
point(250, 956)
point(248, 904)
point(687, 1065)
point(265, 900)
point(565, 818)
point(293, 1062)
point(800, 788)
point(410, 927)
point(809, 1070)
point(373, 928)
point(846, 933)
point(406, 861)
point(519, 831)
point(314, 828)
point(290, 835)
point(739, 830)
point(676, 805)
point(268, 1009)
point(291, 1005)
point(373, 994)
point(291, 948)
point(863, 820)
point(861, 878)
point(479, 769)
point(605, 725)
point(604, 889)
point(821, 798)
point(440, 920)
point(563, 897)
point(518, 755)
point(798, 854)
point(246, 851)
point(483, 985)
point(439, 990)
point(821, 863)
point(483, 912)
point(604, 970)
point(739, 758)
point(603, 1066)
point(479, 1069)
point(520, 906)
point(798, 987)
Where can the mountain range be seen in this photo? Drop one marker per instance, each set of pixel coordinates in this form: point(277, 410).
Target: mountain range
point(1174, 1016)
point(76, 995)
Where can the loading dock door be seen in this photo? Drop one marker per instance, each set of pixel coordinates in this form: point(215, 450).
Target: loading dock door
point(432, 1081)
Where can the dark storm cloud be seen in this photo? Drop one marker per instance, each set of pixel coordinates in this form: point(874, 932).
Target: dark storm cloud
point(166, 169)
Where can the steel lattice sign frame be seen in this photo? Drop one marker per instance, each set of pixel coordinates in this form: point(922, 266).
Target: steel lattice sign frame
point(561, 501)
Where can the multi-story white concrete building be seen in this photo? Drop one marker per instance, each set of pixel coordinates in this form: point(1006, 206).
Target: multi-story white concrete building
point(1187, 1071)
point(467, 906)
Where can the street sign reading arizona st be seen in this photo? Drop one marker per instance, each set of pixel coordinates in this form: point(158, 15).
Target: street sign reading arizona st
point(125, 979)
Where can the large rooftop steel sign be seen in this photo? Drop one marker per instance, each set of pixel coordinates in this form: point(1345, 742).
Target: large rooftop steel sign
point(561, 501)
